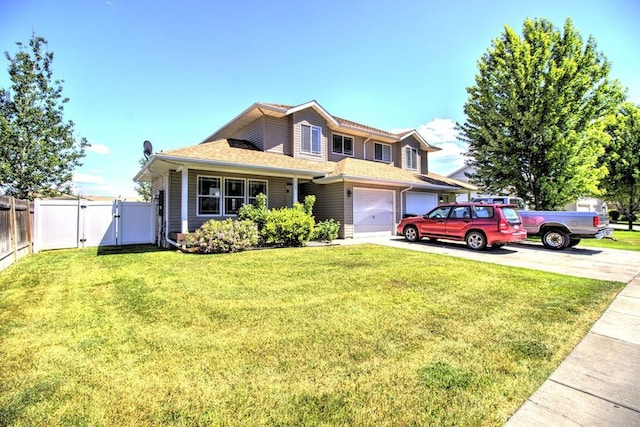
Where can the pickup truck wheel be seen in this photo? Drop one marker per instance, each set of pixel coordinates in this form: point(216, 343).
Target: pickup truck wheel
point(476, 240)
point(555, 239)
point(411, 233)
point(573, 242)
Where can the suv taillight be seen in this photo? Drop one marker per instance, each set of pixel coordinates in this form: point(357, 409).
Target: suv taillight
point(503, 225)
point(596, 221)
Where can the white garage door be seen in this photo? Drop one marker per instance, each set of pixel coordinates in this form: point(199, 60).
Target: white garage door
point(420, 203)
point(372, 212)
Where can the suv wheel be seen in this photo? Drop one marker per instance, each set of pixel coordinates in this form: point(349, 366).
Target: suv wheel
point(411, 233)
point(476, 240)
point(555, 239)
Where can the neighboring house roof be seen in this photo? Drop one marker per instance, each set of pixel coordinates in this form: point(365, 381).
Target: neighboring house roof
point(238, 156)
point(260, 109)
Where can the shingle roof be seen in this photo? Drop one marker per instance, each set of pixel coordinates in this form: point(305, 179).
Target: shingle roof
point(243, 153)
point(228, 151)
point(345, 122)
point(350, 167)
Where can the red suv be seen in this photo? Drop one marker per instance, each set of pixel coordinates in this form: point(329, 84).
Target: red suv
point(478, 224)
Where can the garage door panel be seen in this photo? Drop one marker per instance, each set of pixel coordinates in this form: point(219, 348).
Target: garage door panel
point(420, 203)
point(372, 212)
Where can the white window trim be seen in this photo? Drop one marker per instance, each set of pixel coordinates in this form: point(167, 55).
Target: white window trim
point(407, 152)
point(353, 144)
point(198, 195)
point(225, 197)
point(311, 127)
point(383, 145)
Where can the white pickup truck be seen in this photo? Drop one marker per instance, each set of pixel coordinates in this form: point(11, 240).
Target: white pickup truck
point(564, 229)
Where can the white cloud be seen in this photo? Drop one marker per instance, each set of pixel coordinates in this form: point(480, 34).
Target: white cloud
point(442, 133)
point(438, 130)
point(98, 148)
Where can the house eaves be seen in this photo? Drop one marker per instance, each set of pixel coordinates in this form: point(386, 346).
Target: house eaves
point(427, 147)
point(382, 181)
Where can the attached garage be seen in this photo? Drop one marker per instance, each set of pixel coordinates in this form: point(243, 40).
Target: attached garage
point(373, 212)
point(420, 203)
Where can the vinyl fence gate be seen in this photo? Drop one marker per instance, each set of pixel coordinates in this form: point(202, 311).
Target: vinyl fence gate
point(60, 224)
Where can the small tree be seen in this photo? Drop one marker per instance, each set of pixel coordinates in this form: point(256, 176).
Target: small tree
point(38, 151)
point(622, 159)
point(144, 188)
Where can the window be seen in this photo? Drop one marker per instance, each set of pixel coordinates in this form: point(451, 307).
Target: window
point(460, 212)
point(343, 145)
point(440, 212)
point(411, 158)
point(310, 139)
point(209, 195)
point(233, 195)
point(255, 188)
point(382, 152)
point(484, 211)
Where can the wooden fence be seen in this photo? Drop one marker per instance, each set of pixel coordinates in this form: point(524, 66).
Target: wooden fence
point(16, 230)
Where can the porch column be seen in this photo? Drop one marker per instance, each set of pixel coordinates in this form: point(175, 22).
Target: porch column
point(184, 207)
point(295, 190)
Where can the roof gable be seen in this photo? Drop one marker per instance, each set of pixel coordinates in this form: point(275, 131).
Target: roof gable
point(261, 109)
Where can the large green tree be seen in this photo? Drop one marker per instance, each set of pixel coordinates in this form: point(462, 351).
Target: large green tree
point(622, 159)
point(38, 151)
point(529, 112)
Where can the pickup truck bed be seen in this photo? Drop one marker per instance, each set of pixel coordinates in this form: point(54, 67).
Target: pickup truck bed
point(562, 229)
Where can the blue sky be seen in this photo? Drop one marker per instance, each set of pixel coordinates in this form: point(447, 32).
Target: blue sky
point(174, 72)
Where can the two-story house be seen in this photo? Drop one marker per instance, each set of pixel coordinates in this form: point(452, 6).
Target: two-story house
point(364, 177)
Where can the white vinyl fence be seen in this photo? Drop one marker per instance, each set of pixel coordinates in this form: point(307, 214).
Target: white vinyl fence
point(80, 223)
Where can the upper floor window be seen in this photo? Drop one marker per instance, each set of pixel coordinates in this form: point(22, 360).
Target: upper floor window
point(411, 158)
point(382, 152)
point(343, 145)
point(310, 139)
point(209, 195)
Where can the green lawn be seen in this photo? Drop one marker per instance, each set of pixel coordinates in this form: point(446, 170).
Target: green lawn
point(624, 239)
point(342, 335)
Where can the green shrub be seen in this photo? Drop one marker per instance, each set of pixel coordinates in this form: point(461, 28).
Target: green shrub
point(288, 226)
point(255, 212)
point(326, 231)
point(224, 236)
point(614, 215)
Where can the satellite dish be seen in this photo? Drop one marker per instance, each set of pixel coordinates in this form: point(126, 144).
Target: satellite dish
point(148, 149)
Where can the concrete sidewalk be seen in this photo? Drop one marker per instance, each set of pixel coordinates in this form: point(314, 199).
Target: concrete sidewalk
point(598, 384)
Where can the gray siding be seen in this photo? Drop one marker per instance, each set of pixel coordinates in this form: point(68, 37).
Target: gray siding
point(309, 117)
point(254, 133)
point(413, 143)
point(175, 200)
point(277, 135)
point(331, 202)
point(276, 189)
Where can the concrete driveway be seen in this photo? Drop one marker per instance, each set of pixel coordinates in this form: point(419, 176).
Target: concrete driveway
point(581, 261)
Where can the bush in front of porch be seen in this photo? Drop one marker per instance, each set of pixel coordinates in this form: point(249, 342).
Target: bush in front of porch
point(258, 226)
